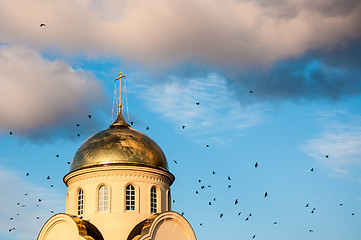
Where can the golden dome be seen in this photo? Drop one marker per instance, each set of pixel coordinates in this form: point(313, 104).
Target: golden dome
point(119, 145)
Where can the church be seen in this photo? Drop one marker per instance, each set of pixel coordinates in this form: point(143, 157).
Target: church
point(118, 189)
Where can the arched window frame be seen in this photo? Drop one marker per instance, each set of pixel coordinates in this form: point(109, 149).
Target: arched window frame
point(80, 202)
point(154, 196)
point(130, 199)
point(103, 198)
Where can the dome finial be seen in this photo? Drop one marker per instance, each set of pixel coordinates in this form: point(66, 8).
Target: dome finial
point(120, 91)
point(119, 121)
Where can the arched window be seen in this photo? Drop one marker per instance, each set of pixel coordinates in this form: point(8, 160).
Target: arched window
point(169, 200)
point(153, 200)
point(130, 198)
point(103, 199)
point(80, 202)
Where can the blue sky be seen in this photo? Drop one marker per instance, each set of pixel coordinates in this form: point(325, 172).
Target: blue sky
point(301, 59)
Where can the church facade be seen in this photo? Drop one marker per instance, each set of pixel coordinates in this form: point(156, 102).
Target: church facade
point(118, 189)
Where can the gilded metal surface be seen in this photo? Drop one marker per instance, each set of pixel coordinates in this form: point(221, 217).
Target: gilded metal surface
point(119, 144)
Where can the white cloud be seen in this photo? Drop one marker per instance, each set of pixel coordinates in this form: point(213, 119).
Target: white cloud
point(26, 224)
point(217, 112)
point(160, 32)
point(340, 140)
point(38, 94)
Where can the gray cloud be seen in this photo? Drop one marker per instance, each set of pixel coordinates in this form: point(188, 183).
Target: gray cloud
point(161, 33)
point(40, 97)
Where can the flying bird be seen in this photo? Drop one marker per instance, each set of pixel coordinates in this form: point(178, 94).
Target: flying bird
point(27, 174)
point(147, 128)
point(340, 204)
point(311, 169)
point(202, 187)
point(265, 194)
point(307, 205)
point(353, 214)
point(89, 116)
point(221, 215)
point(326, 156)
point(210, 203)
point(250, 215)
point(42, 25)
point(235, 202)
point(256, 164)
point(246, 218)
point(229, 178)
point(239, 213)
point(183, 127)
point(207, 145)
point(57, 155)
point(175, 161)
point(51, 185)
point(78, 134)
point(199, 180)
point(131, 123)
point(310, 230)
point(39, 200)
point(48, 177)
point(250, 91)
point(229, 186)
point(68, 162)
point(214, 172)
point(254, 236)
point(77, 125)
point(274, 222)
point(200, 224)
point(196, 192)
point(197, 103)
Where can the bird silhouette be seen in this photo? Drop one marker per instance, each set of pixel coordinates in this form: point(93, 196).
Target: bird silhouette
point(326, 156)
point(182, 213)
point(209, 186)
point(11, 133)
point(340, 204)
point(175, 161)
point(214, 199)
point(221, 215)
point(229, 178)
point(239, 213)
point(214, 172)
point(200, 224)
point(37, 218)
point(310, 230)
point(202, 187)
point(77, 125)
point(353, 214)
point(311, 169)
point(68, 162)
point(207, 145)
point(199, 180)
point(210, 203)
point(147, 128)
point(78, 134)
point(250, 215)
point(39, 200)
point(235, 202)
point(89, 116)
point(42, 25)
point(307, 205)
point(196, 192)
point(57, 155)
point(197, 103)
point(250, 91)
point(48, 177)
point(254, 236)
point(183, 127)
point(265, 194)
point(51, 185)
point(27, 174)
point(229, 186)
point(274, 222)
point(11, 218)
point(131, 123)
point(246, 218)
point(256, 164)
